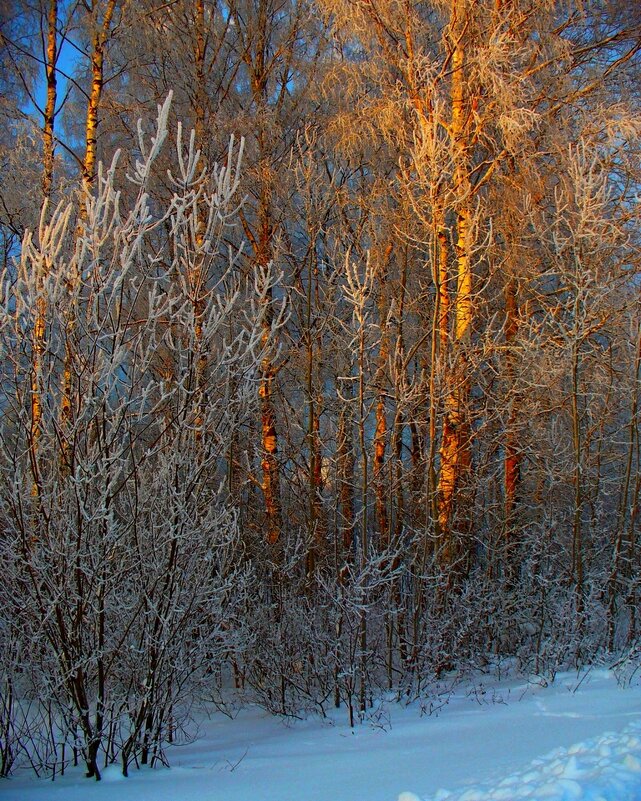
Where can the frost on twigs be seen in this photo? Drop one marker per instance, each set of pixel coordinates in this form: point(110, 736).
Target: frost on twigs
point(130, 345)
point(150, 152)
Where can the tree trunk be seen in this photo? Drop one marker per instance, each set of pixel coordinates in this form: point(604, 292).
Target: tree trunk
point(50, 107)
point(455, 449)
point(380, 432)
point(512, 459)
point(99, 40)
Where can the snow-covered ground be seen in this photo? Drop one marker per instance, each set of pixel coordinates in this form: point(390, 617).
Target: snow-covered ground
point(578, 739)
point(605, 768)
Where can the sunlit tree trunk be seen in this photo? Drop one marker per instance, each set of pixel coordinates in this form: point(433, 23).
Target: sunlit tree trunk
point(38, 348)
point(439, 353)
point(364, 530)
point(52, 93)
point(256, 43)
point(455, 442)
point(382, 490)
point(269, 436)
point(51, 54)
point(102, 28)
point(100, 34)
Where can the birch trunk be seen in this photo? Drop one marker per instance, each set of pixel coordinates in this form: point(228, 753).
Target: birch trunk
point(50, 107)
point(98, 44)
point(99, 41)
point(455, 443)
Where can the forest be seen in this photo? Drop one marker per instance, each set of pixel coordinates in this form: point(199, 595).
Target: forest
point(320, 353)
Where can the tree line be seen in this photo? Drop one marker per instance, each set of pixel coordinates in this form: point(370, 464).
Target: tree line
point(320, 348)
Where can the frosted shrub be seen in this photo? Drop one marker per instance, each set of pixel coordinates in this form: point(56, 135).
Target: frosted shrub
point(129, 343)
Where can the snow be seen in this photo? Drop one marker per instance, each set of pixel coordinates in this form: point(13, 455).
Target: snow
point(578, 739)
point(606, 768)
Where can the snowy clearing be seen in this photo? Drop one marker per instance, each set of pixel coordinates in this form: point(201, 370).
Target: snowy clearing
point(579, 738)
